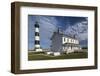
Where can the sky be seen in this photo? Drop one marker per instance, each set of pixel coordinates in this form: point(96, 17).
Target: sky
point(70, 25)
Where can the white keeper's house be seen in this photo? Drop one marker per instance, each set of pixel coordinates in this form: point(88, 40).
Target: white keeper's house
point(63, 43)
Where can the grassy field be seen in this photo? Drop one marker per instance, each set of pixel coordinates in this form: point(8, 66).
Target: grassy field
point(43, 56)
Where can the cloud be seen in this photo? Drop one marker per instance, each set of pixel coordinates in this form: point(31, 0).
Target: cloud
point(47, 27)
point(79, 29)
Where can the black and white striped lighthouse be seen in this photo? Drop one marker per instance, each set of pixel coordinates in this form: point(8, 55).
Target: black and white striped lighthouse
point(37, 37)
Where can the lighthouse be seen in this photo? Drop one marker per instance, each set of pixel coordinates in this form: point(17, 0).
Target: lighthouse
point(37, 37)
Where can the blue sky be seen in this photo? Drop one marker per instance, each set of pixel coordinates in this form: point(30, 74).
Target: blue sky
point(48, 24)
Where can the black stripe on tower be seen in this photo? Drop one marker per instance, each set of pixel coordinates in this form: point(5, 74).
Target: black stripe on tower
point(37, 42)
point(37, 25)
point(36, 33)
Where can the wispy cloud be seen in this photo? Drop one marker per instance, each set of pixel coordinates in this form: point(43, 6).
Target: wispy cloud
point(47, 27)
point(79, 29)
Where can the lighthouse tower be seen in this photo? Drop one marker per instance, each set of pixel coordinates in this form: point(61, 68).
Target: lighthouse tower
point(37, 37)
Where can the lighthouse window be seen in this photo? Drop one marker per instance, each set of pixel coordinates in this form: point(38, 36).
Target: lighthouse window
point(37, 42)
point(36, 34)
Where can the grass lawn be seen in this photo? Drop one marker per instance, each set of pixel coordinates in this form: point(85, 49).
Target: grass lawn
point(43, 56)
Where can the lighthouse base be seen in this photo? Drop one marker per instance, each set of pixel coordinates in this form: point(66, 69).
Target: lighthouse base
point(38, 50)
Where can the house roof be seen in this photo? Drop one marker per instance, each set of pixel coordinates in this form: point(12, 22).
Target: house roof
point(63, 35)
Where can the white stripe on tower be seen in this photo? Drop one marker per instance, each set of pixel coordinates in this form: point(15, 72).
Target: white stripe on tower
point(37, 37)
